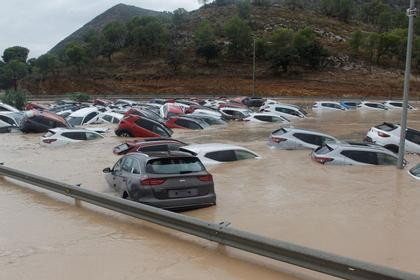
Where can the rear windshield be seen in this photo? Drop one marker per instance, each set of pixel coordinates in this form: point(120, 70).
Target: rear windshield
point(75, 120)
point(324, 150)
point(386, 127)
point(416, 170)
point(174, 165)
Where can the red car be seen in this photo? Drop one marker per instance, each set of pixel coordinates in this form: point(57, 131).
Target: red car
point(138, 126)
point(102, 102)
point(183, 122)
point(149, 145)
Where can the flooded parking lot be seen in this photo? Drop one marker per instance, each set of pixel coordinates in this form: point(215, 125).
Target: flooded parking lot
point(371, 213)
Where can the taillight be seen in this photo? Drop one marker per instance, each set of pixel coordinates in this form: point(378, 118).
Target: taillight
point(49, 141)
point(277, 139)
point(206, 178)
point(152, 182)
point(381, 134)
point(322, 160)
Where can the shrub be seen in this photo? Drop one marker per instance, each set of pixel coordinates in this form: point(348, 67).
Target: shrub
point(15, 98)
point(80, 97)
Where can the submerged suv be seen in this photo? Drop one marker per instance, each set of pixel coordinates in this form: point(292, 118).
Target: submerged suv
point(138, 126)
point(169, 180)
point(348, 153)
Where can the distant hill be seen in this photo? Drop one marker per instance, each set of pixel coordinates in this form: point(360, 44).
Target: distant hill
point(120, 12)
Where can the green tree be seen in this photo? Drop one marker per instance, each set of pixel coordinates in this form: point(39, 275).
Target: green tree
point(356, 42)
point(76, 56)
point(370, 11)
point(345, 10)
point(15, 53)
point(205, 42)
point(282, 52)
point(388, 44)
point(12, 72)
point(114, 34)
point(309, 49)
point(175, 57)
point(15, 98)
point(47, 63)
point(294, 4)
point(93, 43)
point(384, 20)
point(244, 9)
point(239, 34)
point(371, 44)
point(179, 17)
point(261, 48)
point(328, 7)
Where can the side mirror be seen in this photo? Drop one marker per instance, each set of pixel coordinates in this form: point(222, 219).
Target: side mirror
point(107, 170)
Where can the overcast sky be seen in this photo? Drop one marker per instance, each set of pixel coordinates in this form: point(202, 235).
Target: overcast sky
point(40, 25)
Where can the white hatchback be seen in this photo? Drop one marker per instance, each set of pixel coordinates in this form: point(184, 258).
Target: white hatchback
point(61, 136)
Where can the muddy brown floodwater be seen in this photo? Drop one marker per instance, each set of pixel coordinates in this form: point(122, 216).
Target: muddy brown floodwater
point(370, 213)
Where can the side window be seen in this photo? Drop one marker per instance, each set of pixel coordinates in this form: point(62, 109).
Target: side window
point(154, 148)
point(309, 138)
point(361, 156)
point(385, 159)
point(229, 112)
point(107, 118)
point(222, 156)
point(159, 130)
point(264, 118)
point(413, 136)
point(145, 124)
point(127, 164)
point(192, 125)
point(118, 165)
point(7, 120)
point(181, 122)
point(136, 167)
point(90, 117)
point(115, 120)
point(92, 136)
point(75, 135)
point(241, 154)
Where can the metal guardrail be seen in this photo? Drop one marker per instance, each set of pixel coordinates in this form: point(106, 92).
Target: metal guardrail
point(222, 233)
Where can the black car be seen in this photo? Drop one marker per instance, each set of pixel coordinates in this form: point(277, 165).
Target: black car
point(171, 180)
point(253, 101)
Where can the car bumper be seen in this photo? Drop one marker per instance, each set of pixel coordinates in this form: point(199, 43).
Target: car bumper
point(181, 203)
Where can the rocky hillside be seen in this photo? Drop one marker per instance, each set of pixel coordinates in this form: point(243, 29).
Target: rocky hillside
point(120, 12)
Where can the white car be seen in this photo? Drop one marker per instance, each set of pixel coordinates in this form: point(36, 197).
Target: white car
point(396, 105)
point(285, 110)
point(266, 118)
point(207, 112)
point(348, 153)
point(235, 113)
point(124, 103)
point(367, 105)
point(12, 118)
point(216, 153)
point(110, 117)
point(415, 172)
point(61, 136)
point(388, 136)
point(294, 139)
point(328, 105)
point(269, 102)
point(7, 108)
point(84, 116)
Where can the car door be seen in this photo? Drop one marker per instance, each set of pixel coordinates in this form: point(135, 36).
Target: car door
point(116, 176)
point(91, 117)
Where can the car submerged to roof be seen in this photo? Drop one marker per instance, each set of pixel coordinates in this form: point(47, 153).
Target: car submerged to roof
point(216, 153)
point(235, 113)
point(294, 138)
point(149, 145)
point(110, 117)
point(61, 136)
point(348, 153)
point(14, 119)
point(396, 105)
point(266, 118)
point(285, 110)
point(7, 108)
point(328, 105)
point(388, 136)
point(209, 119)
point(367, 105)
point(187, 123)
point(350, 104)
point(138, 126)
point(173, 181)
point(84, 116)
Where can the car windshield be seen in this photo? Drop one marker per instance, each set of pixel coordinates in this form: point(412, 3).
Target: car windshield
point(323, 150)
point(174, 165)
point(75, 120)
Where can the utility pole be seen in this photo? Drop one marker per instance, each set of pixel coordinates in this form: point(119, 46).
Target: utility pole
point(411, 13)
point(253, 73)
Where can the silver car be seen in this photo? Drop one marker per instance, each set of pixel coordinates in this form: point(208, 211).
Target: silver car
point(294, 139)
point(348, 153)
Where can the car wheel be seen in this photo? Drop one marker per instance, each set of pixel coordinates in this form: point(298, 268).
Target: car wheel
point(393, 148)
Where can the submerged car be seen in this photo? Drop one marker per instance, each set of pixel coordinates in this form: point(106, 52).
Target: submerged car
point(328, 105)
point(253, 101)
point(415, 172)
point(396, 105)
point(235, 113)
point(37, 122)
point(61, 136)
point(14, 119)
point(372, 106)
point(185, 122)
point(388, 136)
point(216, 153)
point(137, 126)
point(149, 145)
point(266, 118)
point(84, 116)
point(7, 108)
point(285, 110)
point(350, 104)
point(110, 117)
point(209, 119)
point(173, 181)
point(293, 139)
point(348, 153)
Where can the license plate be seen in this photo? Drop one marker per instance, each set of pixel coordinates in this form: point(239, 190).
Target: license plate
point(182, 193)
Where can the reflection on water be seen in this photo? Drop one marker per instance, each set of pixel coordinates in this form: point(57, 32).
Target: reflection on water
point(370, 213)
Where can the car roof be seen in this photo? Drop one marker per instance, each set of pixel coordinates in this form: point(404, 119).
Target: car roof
point(288, 106)
point(212, 147)
point(303, 130)
point(234, 109)
point(63, 129)
point(359, 146)
point(83, 112)
point(163, 154)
